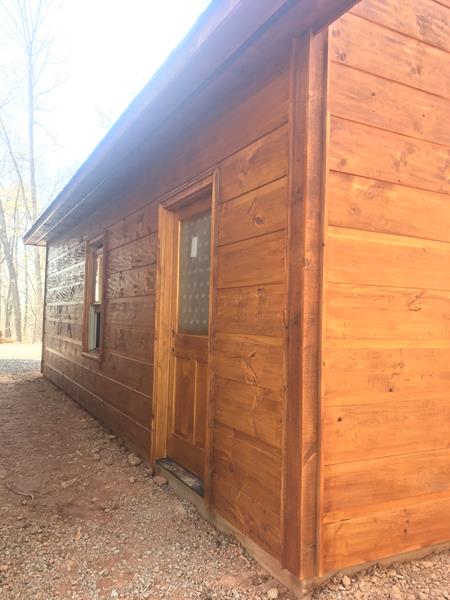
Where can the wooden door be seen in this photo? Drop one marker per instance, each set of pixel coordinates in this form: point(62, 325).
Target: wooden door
point(188, 377)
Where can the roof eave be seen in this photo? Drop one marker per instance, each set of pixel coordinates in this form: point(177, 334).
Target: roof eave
point(223, 28)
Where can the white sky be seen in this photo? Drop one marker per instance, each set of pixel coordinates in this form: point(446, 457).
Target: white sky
point(109, 49)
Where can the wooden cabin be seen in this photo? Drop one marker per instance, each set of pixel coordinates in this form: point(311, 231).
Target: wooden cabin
point(249, 278)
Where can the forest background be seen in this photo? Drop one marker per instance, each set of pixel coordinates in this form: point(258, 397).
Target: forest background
point(68, 68)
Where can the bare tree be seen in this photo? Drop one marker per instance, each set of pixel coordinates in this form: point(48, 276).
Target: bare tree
point(24, 22)
point(13, 290)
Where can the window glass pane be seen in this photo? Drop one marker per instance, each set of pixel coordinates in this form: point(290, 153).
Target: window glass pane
point(92, 333)
point(194, 268)
point(98, 270)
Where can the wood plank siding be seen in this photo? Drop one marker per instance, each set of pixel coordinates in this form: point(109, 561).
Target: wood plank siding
point(244, 136)
point(327, 157)
point(386, 374)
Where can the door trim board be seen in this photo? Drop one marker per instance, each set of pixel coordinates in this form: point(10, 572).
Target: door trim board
point(168, 204)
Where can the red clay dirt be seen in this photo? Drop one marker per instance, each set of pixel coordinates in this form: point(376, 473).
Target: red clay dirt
point(78, 521)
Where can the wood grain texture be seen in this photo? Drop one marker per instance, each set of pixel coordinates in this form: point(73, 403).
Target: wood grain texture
point(67, 259)
point(303, 341)
point(138, 253)
point(256, 165)
point(253, 411)
point(70, 275)
point(380, 259)
point(135, 341)
point(256, 213)
point(254, 310)
point(133, 373)
point(234, 455)
point(385, 373)
point(379, 312)
point(371, 47)
point(362, 203)
point(360, 540)
point(238, 128)
point(426, 21)
point(247, 513)
point(255, 360)
point(138, 310)
point(66, 329)
point(411, 162)
point(66, 293)
point(252, 262)
point(386, 361)
point(134, 282)
point(362, 486)
point(138, 224)
point(385, 429)
point(389, 105)
point(135, 434)
point(131, 403)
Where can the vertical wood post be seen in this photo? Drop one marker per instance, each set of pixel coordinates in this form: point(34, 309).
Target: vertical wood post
point(307, 181)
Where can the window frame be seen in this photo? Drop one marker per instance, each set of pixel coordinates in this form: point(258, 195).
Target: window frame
point(92, 247)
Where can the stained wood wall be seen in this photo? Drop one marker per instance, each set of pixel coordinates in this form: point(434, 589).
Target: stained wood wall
point(386, 398)
point(240, 127)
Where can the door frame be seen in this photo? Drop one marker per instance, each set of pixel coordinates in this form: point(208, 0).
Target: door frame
point(165, 277)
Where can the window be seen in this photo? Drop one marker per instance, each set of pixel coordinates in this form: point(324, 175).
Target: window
point(194, 273)
point(93, 298)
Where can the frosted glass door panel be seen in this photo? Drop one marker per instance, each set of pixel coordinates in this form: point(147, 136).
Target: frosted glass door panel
point(194, 269)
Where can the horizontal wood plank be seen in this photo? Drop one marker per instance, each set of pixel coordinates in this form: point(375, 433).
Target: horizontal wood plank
point(254, 411)
point(135, 341)
point(66, 329)
point(135, 282)
point(361, 203)
point(65, 311)
point(427, 20)
point(69, 276)
point(133, 373)
point(256, 165)
point(67, 293)
point(247, 513)
point(376, 312)
point(375, 430)
point(360, 257)
point(259, 212)
point(254, 360)
point(389, 105)
point(138, 253)
point(67, 259)
point(254, 310)
point(405, 528)
point(139, 310)
point(236, 458)
point(137, 436)
point(135, 405)
point(252, 262)
point(381, 51)
point(138, 224)
point(365, 484)
point(388, 375)
point(361, 150)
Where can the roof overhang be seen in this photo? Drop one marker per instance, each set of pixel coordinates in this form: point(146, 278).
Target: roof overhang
point(221, 31)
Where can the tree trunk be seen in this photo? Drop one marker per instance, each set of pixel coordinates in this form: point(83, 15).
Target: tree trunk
point(14, 287)
point(34, 205)
point(8, 332)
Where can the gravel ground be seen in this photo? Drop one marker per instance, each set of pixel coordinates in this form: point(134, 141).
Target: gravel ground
point(83, 518)
point(18, 358)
